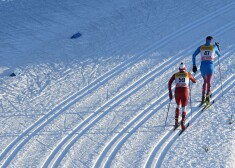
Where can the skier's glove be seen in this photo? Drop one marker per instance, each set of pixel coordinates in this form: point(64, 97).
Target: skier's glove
point(194, 68)
point(170, 95)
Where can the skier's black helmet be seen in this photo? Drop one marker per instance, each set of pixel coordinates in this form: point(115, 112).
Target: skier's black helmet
point(209, 38)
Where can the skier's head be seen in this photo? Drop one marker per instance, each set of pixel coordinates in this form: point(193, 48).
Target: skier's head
point(182, 67)
point(209, 39)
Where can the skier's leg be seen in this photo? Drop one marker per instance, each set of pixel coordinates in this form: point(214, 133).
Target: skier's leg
point(184, 105)
point(177, 110)
point(204, 88)
point(183, 120)
point(177, 113)
point(209, 83)
point(203, 70)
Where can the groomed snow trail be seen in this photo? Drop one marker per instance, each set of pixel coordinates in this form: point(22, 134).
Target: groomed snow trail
point(124, 99)
point(56, 111)
point(119, 139)
point(163, 146)
point(68, 141)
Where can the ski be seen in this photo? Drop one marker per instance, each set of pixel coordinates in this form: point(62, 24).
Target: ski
point(201, 104)
point(184, 129)
point(204, 101)
point(207, 106)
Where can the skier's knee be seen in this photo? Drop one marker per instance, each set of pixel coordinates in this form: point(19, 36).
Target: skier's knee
point(184, 109)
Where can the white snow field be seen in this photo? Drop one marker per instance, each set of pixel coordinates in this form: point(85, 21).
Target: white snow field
point(101, 100)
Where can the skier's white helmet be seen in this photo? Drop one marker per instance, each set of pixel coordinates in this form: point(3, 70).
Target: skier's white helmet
point(182, 67)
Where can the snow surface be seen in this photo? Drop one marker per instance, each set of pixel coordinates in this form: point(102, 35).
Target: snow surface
point(101, 100)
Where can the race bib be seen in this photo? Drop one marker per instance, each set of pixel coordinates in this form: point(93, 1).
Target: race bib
point(181, 79)
point(207, 53)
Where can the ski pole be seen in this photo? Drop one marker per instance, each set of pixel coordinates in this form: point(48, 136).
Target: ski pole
point(190, 97)
point(221, 83)
point(169, 105)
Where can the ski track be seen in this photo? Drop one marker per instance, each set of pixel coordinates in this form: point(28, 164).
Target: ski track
point(156, 157)
point(113, 103)
point(99, 113)
point(57, 155)
point(14, 147)
point(39, 124)
point(163, 146)
point(112, 147)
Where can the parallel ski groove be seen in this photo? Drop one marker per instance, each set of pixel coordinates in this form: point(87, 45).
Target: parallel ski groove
point(116, 142)
point(13, 148)
point(167, 136)
point(57, 155)
point(39, 124)
point(133, 88)
point(56, 111)
point(164, 144)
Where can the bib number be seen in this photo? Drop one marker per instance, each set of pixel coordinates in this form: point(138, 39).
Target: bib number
point(182, 80)
point(207, 53)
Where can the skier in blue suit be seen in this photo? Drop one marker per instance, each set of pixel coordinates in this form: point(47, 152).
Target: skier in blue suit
point(207, 52)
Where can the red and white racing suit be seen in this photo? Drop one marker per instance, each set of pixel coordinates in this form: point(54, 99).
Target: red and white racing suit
point(181, 86)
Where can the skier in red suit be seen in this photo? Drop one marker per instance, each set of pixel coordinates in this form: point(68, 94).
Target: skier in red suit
point(181, 79)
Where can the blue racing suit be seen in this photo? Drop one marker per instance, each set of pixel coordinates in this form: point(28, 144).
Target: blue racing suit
point(208, 52)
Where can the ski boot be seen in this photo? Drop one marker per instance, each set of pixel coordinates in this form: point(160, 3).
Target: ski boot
point(176, 125)
point(207, 100)
point(210, 95)
point(183, 121)
point(177, 113)
point(203, 100)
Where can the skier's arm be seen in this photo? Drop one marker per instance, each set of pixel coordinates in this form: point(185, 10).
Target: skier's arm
point(170, 83)
point(192, 78)
point(169, 86)
point(217, 51)
point(194, 55)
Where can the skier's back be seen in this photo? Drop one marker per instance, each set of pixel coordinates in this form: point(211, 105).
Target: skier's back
point(181, 79)
point(207, 52)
